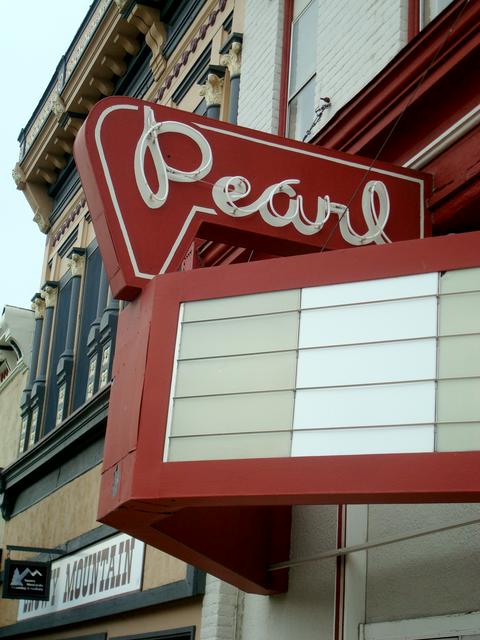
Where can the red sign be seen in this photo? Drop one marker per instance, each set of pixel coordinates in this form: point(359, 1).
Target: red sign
point(231, 517)
point(155, 178)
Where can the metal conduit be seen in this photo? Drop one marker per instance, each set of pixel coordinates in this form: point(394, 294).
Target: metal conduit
point(343, 551)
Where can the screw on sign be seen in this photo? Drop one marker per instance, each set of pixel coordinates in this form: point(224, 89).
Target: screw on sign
point(155, 178)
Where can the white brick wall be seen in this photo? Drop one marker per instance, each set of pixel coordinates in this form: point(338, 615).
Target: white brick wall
point(261, 65)
point(356, 39)
point(219, 610)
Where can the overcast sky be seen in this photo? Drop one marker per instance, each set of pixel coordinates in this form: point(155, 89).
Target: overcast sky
point(35, 36)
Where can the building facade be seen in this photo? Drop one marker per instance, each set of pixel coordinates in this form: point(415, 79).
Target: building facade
point(179, 53)
point(388, 81)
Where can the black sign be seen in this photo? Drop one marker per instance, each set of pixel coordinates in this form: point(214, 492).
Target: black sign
point(26, 579)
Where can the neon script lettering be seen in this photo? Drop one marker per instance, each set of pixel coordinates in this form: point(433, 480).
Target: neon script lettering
point(228, 192)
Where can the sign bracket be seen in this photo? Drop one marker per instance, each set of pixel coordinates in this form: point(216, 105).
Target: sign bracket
point(16, 547)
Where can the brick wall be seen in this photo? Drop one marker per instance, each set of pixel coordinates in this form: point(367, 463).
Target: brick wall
point(261, 65)
point(219, 610)
point(355, 40)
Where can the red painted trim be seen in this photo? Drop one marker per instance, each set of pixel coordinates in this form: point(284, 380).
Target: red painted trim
point(413, 18)
point(285, 71)
point(176, 506)
point(137, 245)
point(415, 99)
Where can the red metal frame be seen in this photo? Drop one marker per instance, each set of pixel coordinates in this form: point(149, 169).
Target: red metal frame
point(413, 18)
point(285, 70)
point(138, 241)
point(232, 517)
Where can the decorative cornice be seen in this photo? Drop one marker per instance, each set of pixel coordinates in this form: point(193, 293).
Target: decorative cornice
point(67, 222)
point(64, 71)
point(58, 106)
point(86, 36)
point(232, 54)
point(233, 59)
point(212, 90)
point(147, 21)
point(19, 177)
point(42, 224)
point(77, 261)
point(38, 306)
point(50, 293)
point(192, 47)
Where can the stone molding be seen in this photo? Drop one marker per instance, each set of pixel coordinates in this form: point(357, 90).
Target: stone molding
point(19, 177)
point(38, 307)
point(42, 225)
point(147, 21)
point(212, 90)
point(50, 294)
point(67, 222)
point(233, 59)
point(58, 106)
point(194, 43)
point(77, 262)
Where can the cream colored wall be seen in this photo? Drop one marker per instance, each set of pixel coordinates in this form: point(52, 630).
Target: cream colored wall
point(61, 516)
point(10, 394)
point(160, 569)
point(66, 514)
point(171, 616)
point(55, 266)
point(433, 575)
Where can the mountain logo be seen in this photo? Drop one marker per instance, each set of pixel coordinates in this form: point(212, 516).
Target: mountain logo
point(26, 579)
point(17, 578)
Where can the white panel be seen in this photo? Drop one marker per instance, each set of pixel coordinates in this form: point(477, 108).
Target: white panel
point(366, 364)
point(236, 374)
point(337, 442)
point(369, 322)
point(460, 280)
point(458, 400)
point(459, 313)
point(228, 447)
point(235, 306)
point(425, 284)
point(411, 403)
point(233, 413)
point(239, 335)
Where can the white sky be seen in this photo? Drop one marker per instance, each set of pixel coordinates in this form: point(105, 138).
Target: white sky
point(35, 36)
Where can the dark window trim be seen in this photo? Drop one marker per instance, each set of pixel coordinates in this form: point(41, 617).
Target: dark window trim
point(138, 77)
point(90, 636)
point(68, 243)
point(58, 75)
point(178, 21)
point(82, 427)
point(83, 461)
point(198, 70)
point(182, 633)
point(228, 23)
point(64, 189)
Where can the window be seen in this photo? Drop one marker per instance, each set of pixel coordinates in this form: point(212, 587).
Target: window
point(429, 9)
point(301, 89)
point(422, 12)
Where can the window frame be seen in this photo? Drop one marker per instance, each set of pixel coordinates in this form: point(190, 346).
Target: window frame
point(286, 98)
